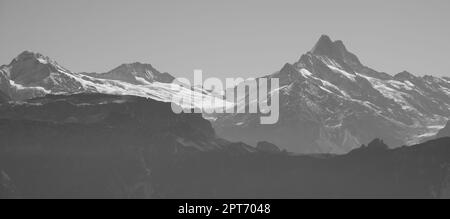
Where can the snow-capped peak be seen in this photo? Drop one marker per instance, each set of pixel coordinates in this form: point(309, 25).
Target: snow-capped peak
point(335, 50)
point(346, 104)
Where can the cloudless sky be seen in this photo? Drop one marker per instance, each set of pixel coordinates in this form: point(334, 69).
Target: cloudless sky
point(226, 38)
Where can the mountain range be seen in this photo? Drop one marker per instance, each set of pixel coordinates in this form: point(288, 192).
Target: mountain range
point(32, 75)
point(114, 135)
point(106, 146)
point(331, 103)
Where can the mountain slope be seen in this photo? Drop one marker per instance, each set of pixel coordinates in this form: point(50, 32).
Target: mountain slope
point(127, 169)
point(331, 103)
point(373, 171)
point(92, 110)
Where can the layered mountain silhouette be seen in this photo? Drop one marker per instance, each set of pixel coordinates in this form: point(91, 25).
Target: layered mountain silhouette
point(372, 171)
point(97, 145)
point(106, 146)
point(331, 103)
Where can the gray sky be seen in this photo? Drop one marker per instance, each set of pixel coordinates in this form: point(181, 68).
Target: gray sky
point(226, 38)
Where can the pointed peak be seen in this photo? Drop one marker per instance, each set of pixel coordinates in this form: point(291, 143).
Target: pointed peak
point(340, 45)
point(323, 46)
point(325, 38)
point(335, 50)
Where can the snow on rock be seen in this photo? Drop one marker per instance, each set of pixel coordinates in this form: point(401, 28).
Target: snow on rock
point(344, 73)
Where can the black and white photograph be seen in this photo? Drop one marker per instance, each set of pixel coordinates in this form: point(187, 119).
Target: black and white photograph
point(245, 100)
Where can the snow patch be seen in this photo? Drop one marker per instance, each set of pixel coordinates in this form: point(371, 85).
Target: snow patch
point(346, 74)
point(305, 73)
point(410, 84)
point(400, 85)
point(142, 80)
point(19, 87)
point(446, 90)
